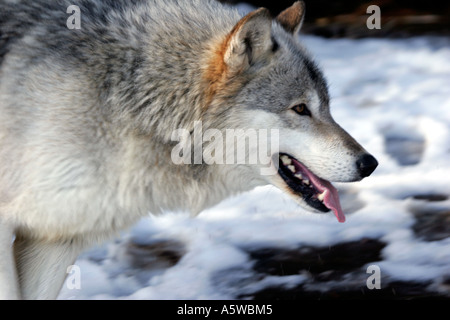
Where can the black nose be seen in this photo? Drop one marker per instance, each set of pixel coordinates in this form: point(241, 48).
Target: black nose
point(366, 165)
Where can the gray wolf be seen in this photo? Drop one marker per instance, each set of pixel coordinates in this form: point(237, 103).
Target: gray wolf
point(87, 115)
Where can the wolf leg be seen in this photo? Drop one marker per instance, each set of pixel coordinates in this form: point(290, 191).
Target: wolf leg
point(42, 265)
point(8, 275)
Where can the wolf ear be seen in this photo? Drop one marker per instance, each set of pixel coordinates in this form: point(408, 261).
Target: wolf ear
point(292, 18)
point(249, 41)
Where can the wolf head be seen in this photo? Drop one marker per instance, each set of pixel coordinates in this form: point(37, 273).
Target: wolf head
point(265, 79)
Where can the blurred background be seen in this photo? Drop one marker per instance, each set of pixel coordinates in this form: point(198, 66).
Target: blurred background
point(347, 18)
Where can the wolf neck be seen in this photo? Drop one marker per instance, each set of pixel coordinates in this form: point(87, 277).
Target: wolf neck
point(153, 182)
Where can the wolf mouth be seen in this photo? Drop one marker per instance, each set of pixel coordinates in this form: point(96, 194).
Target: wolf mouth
point(318, 193)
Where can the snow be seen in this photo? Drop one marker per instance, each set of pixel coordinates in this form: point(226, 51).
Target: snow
point(393, 97)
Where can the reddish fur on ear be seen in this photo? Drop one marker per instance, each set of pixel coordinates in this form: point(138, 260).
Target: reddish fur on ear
point(292, 18)
point(216, 70)
point(222, 63)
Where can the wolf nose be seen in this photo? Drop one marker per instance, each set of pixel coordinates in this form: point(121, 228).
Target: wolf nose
point(366, 165)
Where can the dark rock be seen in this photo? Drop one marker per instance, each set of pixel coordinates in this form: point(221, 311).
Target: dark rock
point(322, 263)
point(156, 255)
point(430, 197)
point(392, 291)
point(431, 224)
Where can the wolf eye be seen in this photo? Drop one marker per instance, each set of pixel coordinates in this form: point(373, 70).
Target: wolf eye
point(302, 109)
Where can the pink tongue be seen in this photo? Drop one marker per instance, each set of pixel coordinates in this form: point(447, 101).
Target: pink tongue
point(331, 199)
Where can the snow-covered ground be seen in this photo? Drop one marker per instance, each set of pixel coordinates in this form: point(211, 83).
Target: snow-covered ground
point(393, 96)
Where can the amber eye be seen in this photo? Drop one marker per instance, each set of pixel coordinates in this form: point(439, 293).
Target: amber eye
point(301, 109)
